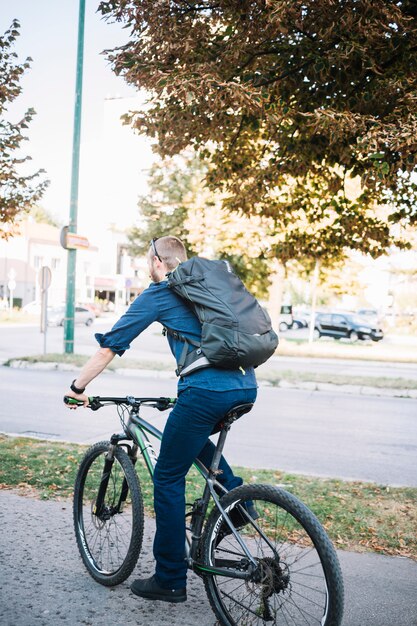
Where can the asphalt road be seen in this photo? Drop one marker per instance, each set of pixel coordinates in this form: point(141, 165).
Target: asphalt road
point(319, 433)
point(17, 341)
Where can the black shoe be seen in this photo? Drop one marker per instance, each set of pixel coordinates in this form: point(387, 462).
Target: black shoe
point(150, 589)
point(238, 519)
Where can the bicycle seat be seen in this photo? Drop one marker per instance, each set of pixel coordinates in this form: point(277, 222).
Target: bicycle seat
point(232, 415)
point(238, 411)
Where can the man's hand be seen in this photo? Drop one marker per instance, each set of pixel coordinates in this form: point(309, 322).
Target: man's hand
point(77, 396)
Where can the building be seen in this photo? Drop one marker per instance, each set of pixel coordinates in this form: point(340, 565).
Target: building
point(112, 177)
point(106, 275)
point(34, 246)
point(119, 277)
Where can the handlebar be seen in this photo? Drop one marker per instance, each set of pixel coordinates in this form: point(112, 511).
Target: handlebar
point(97, 402)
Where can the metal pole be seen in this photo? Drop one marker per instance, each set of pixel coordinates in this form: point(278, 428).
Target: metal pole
point(314, 301)
point(45, 317)
point(72, 227)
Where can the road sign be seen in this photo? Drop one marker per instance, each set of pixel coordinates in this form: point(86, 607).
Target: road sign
point(77, 242)
point(73, 241)
point(11, 285)
point(44, 278)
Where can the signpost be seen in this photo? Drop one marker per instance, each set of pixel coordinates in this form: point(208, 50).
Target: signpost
point(44, 278)
point(72, 228)
point(11, 286)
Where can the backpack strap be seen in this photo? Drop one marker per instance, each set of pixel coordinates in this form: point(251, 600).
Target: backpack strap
point(189, 361)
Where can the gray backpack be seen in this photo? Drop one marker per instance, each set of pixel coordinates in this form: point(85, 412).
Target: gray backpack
point(236, 331)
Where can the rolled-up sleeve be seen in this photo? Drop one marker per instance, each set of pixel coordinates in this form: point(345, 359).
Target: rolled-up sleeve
point(141, 313)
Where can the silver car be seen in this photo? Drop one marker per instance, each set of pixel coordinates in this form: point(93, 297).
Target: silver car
point(56, 316)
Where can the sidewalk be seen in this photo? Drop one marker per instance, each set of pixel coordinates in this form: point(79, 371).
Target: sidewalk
point(43, 581)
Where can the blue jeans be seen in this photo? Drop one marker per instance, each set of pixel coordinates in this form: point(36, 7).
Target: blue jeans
point(185, 438)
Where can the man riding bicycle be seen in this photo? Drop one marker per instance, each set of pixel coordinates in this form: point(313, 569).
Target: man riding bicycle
point(204, 397)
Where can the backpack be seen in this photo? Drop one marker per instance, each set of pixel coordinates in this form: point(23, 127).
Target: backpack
point(236, 331)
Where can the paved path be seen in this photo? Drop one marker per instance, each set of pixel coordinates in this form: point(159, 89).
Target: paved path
point(43, 583)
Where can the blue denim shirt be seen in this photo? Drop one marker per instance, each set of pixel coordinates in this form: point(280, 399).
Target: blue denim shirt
point(159, 304)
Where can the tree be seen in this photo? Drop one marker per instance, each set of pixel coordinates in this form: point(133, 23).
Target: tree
point(277, 88)
point(289, 102)
point(179, 202)
point(43, 216)
point(164, 209)
point(18, 192)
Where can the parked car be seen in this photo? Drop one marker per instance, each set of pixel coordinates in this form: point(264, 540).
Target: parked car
point(286, 319)
point(374, 318)
point(56, 316)
point(350, 325)
point(301, 318)
point(92, 306)
point(32, 308)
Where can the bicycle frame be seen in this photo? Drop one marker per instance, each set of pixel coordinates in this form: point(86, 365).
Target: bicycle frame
point(137, 429)
point(269, 576)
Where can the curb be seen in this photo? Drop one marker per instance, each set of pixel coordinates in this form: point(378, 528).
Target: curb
point(363, 390)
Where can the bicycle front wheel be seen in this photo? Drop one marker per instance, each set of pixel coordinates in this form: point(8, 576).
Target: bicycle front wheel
point(109, 540)
point(297, 579)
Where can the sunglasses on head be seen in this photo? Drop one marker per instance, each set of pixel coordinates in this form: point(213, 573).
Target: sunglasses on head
point(154, 250)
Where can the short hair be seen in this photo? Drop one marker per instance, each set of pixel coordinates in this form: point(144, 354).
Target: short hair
point(171, 250)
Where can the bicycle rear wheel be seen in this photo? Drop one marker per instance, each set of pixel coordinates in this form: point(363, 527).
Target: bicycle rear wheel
point(297, 582)
point(110, 541)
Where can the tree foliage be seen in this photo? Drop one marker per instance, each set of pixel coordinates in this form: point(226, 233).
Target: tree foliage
point(179, 203)
point(281, 86)
point(164, 209)
point(288, 101)
point(17, 191)
point(43, 216)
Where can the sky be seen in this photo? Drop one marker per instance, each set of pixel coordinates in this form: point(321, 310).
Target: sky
point(113, 158)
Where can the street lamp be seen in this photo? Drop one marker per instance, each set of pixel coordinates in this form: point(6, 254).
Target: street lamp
point(72, 227)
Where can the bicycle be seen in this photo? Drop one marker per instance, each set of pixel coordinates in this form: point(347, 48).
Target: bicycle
point(280, 568)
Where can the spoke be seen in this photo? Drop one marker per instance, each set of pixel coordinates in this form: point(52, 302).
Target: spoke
point(281, 538)
point(306, 567)
point(108, 542)
point(226, 551)
point(241, 604)
point(303, 613)
point(284, 608)
point(322, 593)
point(307, 599)
point(303, 555)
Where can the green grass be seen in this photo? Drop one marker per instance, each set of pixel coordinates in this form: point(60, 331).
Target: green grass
point(78, 360)
point(292, 376)
point(263, 374)
point(16, 316)
point(328, 348)
point(358, 516)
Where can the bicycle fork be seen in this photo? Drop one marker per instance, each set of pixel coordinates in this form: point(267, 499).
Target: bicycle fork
point(99, 508)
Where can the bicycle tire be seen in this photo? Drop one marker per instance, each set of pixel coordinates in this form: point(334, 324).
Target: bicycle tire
point(109, 547)
point(300, 581)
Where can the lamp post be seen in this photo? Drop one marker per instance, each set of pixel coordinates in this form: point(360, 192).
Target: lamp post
point(72, 227)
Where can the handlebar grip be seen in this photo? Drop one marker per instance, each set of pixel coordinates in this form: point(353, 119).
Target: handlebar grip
point(69, 400)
